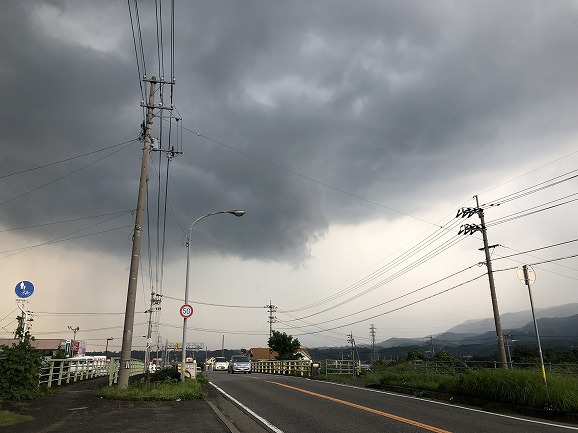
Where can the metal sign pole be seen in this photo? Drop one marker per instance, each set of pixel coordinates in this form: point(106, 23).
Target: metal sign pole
point(527, 281)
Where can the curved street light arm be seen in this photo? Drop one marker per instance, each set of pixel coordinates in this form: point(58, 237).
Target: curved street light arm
point(237, 213)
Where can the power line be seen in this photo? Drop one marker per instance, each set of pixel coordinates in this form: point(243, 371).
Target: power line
point(531, 171)
point(67, 221)
point(62, 313)
point(534, 188)
point(66, 160)
point(537, 249)
point(389, 279)
point(58, 240)
point(540, 263)
point(397, 298)
point(294, 173)
point(64, 176)
point(422, 245)
point(218, 331)
point(521, 214)
point(212, 305)
point(403, 306)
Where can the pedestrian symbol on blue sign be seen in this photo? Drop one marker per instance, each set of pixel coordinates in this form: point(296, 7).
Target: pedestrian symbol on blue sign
point(24, 289)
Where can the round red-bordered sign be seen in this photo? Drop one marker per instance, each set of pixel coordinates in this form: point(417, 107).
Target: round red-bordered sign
point(186, 311)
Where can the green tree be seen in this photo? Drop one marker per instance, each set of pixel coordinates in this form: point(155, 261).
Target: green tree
point(285, 345)
point(20, 369)
point(414, 354)
point(444, 355)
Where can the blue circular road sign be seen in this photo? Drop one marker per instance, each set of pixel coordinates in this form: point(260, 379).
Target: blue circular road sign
point(24, 289)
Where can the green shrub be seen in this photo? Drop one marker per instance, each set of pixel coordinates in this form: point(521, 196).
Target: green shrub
point(19, 370)
point(166, 374)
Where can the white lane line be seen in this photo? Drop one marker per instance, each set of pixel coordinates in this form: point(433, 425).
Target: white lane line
point(245, 408)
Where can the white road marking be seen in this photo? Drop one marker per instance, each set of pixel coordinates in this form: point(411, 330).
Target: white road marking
point(245, 408)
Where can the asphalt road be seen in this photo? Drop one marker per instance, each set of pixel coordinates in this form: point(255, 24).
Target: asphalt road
point(297, 405)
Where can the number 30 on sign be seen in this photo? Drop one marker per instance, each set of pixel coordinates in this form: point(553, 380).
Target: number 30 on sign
point(186, 311)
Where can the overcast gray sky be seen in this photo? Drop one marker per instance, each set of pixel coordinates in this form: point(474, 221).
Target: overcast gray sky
point(349, 132)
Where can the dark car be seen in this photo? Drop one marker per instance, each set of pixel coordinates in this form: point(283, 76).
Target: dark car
point(239, 364)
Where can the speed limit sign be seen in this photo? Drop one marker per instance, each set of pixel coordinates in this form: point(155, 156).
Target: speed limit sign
point(186, 311)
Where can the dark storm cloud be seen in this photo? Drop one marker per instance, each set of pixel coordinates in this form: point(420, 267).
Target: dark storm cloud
point(383, 100)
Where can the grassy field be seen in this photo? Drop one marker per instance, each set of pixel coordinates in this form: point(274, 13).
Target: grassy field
point(516, 388)
point(11, 418)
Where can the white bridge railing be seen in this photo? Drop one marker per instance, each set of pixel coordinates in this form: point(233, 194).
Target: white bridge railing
point(294, 368)
point(55, 372)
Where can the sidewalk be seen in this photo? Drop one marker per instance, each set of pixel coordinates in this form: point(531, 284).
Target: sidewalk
point(75, 408)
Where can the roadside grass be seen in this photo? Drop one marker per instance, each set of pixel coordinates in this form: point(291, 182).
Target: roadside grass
point(517, 388)
point(520, 388)
point(11, 418)
point(166, 390)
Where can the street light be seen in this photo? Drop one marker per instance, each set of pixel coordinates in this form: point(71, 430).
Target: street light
point(237, 213)
point(527, 275)
point(74, 330)
point(106, 350)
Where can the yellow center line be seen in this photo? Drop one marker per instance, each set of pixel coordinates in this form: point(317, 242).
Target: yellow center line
point(368, 409)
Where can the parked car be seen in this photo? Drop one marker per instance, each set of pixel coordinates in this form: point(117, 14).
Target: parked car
point(221, 364)
point(239, 364)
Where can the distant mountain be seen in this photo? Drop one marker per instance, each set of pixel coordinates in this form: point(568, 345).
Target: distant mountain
point(557, 322)
point(553, 327)
point(556, 333)
point(514, 320)
point(400, 342)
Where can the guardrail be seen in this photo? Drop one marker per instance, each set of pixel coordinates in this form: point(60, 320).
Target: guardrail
point(136, 367)
point(56, 372)
point(294, 368)
point(341, 366)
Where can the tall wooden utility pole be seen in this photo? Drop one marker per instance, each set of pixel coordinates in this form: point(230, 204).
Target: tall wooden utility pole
point(125, 354)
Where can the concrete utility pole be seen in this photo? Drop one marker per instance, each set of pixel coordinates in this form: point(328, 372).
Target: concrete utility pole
point(272, 309)
point(125, 354)
point(351, 340)
point(155, 300)
point(470, 229)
